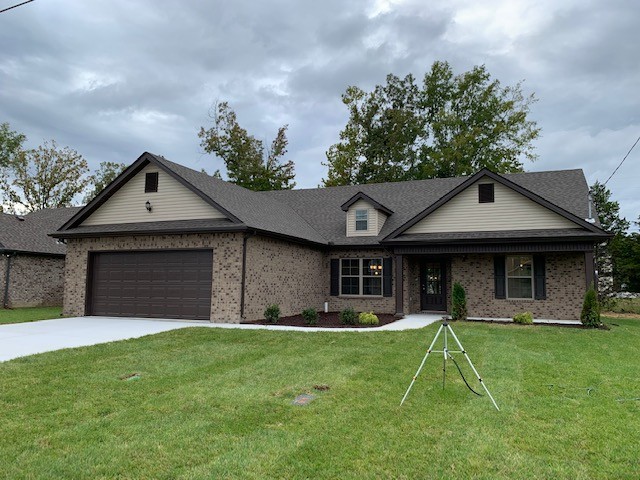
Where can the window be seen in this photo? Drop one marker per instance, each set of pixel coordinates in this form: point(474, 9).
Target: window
point(520, 276)
point(485, 193)
point(151, 182)
point(361, 276)
point(362, 220)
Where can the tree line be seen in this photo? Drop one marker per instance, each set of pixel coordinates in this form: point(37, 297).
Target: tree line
point(48, 176)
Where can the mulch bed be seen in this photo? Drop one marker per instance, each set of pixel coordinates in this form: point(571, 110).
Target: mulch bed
point(327, 320)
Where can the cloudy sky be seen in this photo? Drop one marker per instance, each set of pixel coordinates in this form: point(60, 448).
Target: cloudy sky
point(114, 78)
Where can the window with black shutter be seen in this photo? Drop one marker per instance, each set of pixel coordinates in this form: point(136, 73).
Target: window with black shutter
point(151, 182)
point(485, 193)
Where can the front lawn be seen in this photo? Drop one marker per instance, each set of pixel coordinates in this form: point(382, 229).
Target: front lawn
point(216, 403)
point(18, 315)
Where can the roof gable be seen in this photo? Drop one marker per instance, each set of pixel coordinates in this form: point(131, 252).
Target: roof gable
point(244, 209)
point(363, 196)
point(489, 175)
point(172, 201)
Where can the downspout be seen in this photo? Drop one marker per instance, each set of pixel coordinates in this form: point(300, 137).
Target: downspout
point(7, 277)
point(245, 238)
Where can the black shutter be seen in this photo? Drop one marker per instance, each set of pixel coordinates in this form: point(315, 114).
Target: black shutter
point(335, 277)
point(499, 276)
point(539, 276)
point(387, 275)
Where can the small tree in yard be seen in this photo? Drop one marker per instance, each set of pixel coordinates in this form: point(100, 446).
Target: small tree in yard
point(459, 302)
point(590, 315)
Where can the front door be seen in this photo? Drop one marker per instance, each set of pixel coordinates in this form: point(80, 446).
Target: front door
point(433, 286)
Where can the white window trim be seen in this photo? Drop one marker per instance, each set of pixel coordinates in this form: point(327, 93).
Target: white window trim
point(361, 276)
point(507, 277)
point(366, 212)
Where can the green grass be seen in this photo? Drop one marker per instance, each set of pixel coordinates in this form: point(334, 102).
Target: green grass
point(18, 315)
point(624, 305)
point(215, 403)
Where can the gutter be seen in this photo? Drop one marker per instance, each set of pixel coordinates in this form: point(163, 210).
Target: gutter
point(245, 239)
point(7, 277)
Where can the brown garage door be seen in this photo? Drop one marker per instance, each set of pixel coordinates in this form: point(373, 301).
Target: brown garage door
point(155, 284)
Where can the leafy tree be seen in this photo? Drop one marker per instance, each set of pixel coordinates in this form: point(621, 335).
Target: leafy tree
point(609, 255)
point(10, 145)
point(46, 177)
point(449, 125)
point(608, 210)
point(625, 253)
point(106, 173)
point(248, 163)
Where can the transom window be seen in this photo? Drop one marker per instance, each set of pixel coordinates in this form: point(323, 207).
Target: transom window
point(361, 276)
point(520, 276)
point(362, 219)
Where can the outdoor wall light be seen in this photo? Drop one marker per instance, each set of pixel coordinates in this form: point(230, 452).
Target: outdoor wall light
point(148, 205)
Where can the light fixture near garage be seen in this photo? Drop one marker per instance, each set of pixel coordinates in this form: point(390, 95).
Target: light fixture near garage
point(148, 205)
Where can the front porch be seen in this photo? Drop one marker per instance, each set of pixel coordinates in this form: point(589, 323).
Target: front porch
point(498, 284)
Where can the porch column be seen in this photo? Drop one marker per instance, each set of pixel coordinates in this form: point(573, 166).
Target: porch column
point(399, 284)
point(589, 266)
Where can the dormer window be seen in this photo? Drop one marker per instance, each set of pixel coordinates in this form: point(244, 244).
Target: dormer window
point(485, 193)
point(151, 182)
point(362, 220)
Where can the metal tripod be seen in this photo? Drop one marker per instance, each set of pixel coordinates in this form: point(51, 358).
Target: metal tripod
point(447, 353)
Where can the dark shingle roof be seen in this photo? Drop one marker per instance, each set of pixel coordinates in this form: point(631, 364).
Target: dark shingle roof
point(315, 215)
point(262, 213)
point(176, 226)
point(321, 207)
point(31, 234)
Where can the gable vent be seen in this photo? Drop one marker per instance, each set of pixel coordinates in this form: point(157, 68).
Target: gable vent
point(151, 182)
point(485, 193)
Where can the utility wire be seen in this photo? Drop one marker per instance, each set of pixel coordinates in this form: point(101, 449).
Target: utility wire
point(15, 6)
point(625, 157)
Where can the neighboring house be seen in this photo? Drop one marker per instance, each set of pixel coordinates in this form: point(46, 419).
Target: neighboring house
point(166, 241)
point(31, 262)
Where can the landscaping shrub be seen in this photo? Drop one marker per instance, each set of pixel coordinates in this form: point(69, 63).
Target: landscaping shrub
point(458, 302)
point(590, 315)
point(272, 313)
point(310, 316)
point(368, 318)
point(348, 316)
point(524, 318)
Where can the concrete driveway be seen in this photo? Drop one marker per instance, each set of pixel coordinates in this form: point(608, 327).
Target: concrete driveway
point(22, 339)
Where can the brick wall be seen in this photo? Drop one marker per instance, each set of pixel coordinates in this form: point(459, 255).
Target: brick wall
point(35, 281)
point(288, 274)
point(227, 267)
point(359, 304)
point(565, 285)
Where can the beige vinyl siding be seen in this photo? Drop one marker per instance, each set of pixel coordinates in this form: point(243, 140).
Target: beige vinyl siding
point(510, 211)
point(172, 201)
point(374, 223)
point(382, 217)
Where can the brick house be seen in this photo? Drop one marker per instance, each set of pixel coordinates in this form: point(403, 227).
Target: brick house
point(31, 262)
point(166, 241)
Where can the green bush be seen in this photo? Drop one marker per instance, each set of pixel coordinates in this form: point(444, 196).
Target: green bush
point(348, 316)
point(458, 302)
point(272, 313)
point(524, 318)
point(310, 316)
point(368, 318)
point(590, 315)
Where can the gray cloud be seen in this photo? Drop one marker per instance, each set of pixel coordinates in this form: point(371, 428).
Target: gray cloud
point(112, 78)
